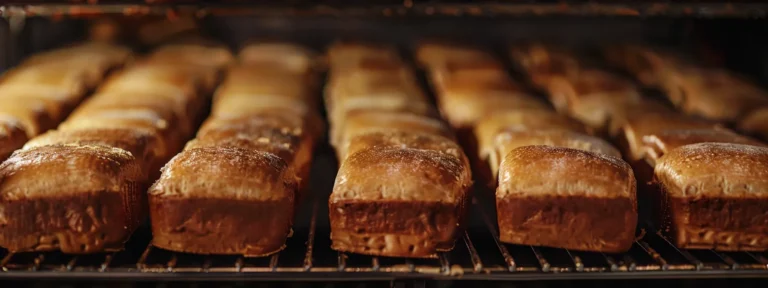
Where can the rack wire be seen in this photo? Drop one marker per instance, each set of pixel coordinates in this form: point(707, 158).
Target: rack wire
point(393, 8)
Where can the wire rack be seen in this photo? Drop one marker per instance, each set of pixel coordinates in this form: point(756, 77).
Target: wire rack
point(389, 8)
point(478, 255)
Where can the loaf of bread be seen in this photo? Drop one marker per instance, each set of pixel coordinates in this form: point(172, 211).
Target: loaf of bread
point(399, 194)
point(591, 96)
point(713, 196)
point(403, 185)
point(714, 94)
point(234, 188)
point(91, 199)
point(542, 61)
point(223, 200)
point(108, 151)
point(566, 198)
point(711, 93)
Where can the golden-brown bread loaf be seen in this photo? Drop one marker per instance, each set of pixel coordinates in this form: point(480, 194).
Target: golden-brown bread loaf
point(541, 61)
point(507, 141)
point(714, 94)
point(435, 55)
point(374, 121)
point(90, 201)
point(463, 108)
point(591, 96)
point(714, 196)
point(566, 198)
point(255, 152)
point(12, 136)
point(233, 200)
point(649, 65)
point(404, 195)
point(646, 106)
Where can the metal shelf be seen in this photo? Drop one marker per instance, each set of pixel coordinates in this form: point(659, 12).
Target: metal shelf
point(386, 8)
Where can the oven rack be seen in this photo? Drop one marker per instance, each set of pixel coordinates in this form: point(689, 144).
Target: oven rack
point(478, 256)
point(393, 8)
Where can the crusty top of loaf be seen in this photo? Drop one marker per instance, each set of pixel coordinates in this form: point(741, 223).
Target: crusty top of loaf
point(284, 55)
point(252, 134)
point(658, 144)
point(349, 54)
point(634, 111)
point(519, 120)
point(464, 110)
point(264, 82)
point(368, 121)
point(61, 170)
point(142, 143)
point(639, 126)
point(226, 173)
point(714, 169)
point(394, 173)
point(541, 171)
point(402, 139)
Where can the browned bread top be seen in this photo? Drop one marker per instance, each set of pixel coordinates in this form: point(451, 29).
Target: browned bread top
point(144, 144)
point(660, 143)
point(155, 79)
point(251, 134)
point(67, 169)
point(226, 173)
point(538, 58)
point(541, 171)
point(402, 140)
point(369, 121)
point(714, 170)
point(402, 174)
point(288, 56)
point(265, 82)
point(464, 109)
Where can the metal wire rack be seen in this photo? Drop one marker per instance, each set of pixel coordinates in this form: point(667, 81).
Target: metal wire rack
point(478, 255)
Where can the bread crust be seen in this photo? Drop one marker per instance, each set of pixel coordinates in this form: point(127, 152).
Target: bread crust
point(566, 198)
point(712, 196)
point(93, 201)
point(190, 203)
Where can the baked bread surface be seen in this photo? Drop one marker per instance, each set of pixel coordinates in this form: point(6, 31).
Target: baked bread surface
point(414, 204)
point(566, 198)
point(91, 201)
point(714, 196)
